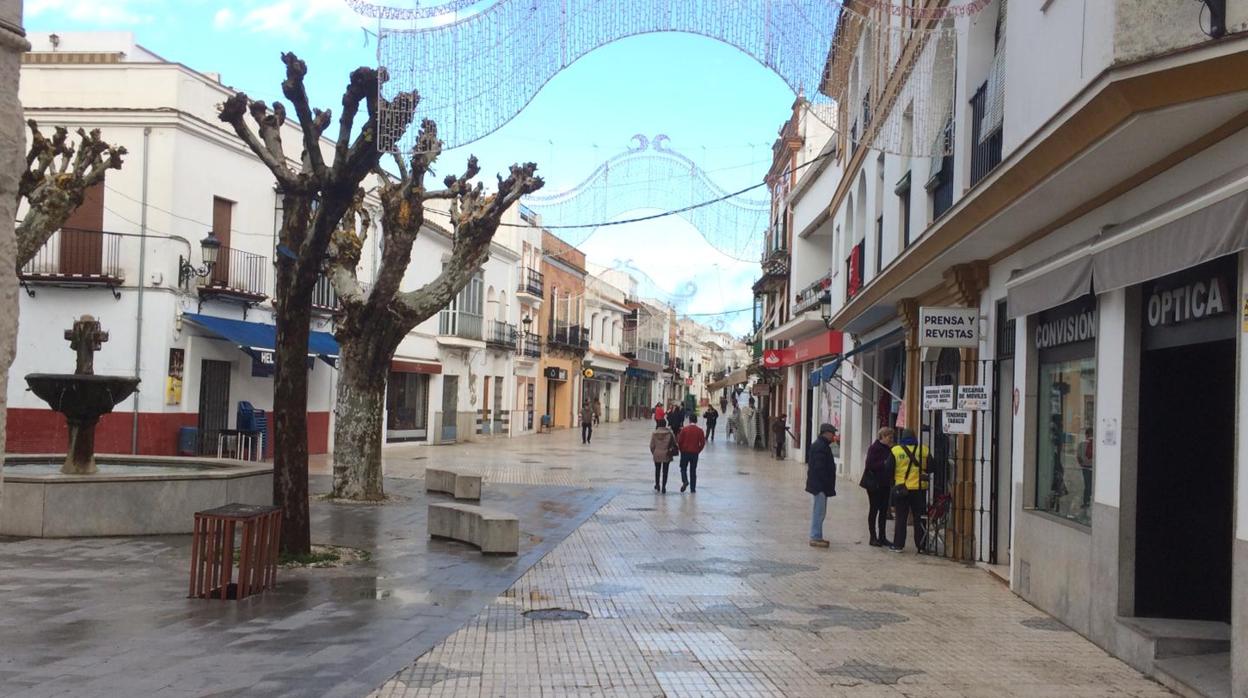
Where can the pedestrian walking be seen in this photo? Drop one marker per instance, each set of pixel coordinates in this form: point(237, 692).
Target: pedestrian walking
point(820, 481)
point(675, 418)
point(778, 431)
point(587, 423)
point(597, 411)
point(877, 480)
point(691, 441)
point(909, 489)
point(663, 448)
point(711, 416)
point(659, 414)
point(723, 405)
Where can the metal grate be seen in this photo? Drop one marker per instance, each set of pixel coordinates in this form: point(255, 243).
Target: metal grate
point(556, 614)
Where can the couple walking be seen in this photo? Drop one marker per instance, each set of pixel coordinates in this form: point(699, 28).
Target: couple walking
point(666, 444)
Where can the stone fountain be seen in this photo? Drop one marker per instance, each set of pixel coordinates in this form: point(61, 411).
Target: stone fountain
point(47, 495)
point(82, 396)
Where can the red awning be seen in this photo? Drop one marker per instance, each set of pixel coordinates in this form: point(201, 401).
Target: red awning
point(410, 366)
point(821, 345)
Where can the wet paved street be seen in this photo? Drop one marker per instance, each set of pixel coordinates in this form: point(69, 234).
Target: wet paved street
point(713, 594)
point(718, 594)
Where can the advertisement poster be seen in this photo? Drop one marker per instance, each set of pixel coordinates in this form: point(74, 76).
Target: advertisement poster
point(173, 381)
point(957, 422)
point(938, 397)
point(973, 397)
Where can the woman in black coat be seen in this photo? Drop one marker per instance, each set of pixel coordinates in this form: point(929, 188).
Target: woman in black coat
point(877, 479)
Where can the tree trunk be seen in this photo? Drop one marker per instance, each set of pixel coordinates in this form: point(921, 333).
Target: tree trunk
point(12, 148)
point(290, 411)
point(358, 418)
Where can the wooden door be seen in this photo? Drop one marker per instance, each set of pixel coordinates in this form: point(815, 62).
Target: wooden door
point(222, 219)
point(81, 237)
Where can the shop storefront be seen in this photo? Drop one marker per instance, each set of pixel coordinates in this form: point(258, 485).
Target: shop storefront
point(637, 386)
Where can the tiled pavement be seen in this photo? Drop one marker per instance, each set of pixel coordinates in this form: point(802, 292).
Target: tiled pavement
point(108, 616)
point(718, 594)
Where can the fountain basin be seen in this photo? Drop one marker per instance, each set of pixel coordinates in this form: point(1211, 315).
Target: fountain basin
point(81, 397)
point(129, 496)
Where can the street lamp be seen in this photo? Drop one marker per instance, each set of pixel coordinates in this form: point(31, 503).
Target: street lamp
point(825, 310)
point(209, 248)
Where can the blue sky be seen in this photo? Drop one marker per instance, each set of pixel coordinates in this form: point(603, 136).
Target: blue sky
point(719, 106)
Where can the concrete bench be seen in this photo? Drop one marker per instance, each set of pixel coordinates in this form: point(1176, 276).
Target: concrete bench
point(492, 531)
point(459, 484)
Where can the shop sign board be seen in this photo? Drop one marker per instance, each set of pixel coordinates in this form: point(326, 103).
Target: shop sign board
point(948, 327)
point(938, 397)
point(973, 397)
point(1191, 306)
point(957, 421)
point(558, 374)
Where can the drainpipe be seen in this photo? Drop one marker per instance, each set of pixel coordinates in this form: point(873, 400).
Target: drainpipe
point(138, 323)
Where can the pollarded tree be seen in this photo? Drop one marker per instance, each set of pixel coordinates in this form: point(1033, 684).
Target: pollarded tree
point(316, 193)
point(55, 180)
point(373, 323)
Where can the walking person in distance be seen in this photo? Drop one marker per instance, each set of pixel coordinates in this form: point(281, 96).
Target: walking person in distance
point(675, 417)
point(877, 480)
point(663, 448)
point(659, 414)
point(712, 416)
point(587, 422)
point(778, 430)
point(691, 441)
point(820, 481)
point(909, 489)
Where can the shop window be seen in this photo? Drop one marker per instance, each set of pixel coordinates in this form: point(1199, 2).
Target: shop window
point(1066, 411)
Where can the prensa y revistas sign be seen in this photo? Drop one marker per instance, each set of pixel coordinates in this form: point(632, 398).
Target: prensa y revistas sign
point(948, 327)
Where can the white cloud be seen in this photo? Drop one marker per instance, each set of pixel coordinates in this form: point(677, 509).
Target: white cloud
point(223, 19)
point(99, 11)
point(296, 20)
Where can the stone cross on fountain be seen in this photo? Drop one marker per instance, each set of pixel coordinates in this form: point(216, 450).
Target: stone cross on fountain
point(86, 338)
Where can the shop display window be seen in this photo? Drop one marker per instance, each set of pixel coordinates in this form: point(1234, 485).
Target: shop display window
point(1064, 438)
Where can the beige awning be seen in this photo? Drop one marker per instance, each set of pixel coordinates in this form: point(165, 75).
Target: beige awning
point(738, 376)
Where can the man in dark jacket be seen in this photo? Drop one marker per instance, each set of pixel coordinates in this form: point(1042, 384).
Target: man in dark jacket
point(820, 481)
point(675, 418)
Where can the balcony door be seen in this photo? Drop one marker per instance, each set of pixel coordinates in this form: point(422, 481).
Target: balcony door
point(81, 239)
point(222, 221)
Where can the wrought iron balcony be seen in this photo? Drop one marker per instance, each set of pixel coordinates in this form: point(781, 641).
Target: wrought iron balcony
point(324, 298)
point(501, 335)
point(985, 149)
point(529, 345)
point(572, 337)
point(810, 296)
point(81, 256)
point(531, 282)
point(776, 261)
point(457, 323)
point(237, 273)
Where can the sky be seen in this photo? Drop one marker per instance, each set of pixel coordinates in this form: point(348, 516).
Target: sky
point(720, 108)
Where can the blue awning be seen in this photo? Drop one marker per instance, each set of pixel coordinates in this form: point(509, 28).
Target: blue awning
point(259, 336)
point(815, 376)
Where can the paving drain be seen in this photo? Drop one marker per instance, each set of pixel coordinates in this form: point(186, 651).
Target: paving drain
point(642, 509)
point(556, 614)
point(559, 467)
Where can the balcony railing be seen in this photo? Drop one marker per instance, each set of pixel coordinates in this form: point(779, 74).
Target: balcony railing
point(985, 150)
point(530, 345)
point(77, 255)
point(940, 184)
point(236, 273)
point(324, 298)
point(502, 335)
point(457, 323)
point(531, 282)
point(776, 261)
point(572, 337)
point(810, 296)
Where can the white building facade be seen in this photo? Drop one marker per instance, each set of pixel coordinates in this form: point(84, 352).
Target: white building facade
point(1090, 211)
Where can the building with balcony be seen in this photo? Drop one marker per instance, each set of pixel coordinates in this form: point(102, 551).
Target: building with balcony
point(131, 256)
point(1084, 213)
point(606, 306)
point(645, 339)
point(562, 318)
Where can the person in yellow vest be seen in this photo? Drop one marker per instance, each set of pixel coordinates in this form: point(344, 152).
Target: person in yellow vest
point(909, 489)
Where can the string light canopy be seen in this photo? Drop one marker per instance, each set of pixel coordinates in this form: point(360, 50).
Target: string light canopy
point(478, 63)
point(651, 175)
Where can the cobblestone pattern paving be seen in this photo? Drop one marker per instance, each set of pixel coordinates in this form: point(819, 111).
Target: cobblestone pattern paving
point(718, 594)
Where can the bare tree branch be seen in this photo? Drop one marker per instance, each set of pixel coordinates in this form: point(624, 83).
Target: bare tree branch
point(345, 249)
point(311, 125)
point(55, 182)
point(269, 149)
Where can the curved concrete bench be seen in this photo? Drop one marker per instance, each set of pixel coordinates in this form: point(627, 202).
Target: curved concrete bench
point(459, 484)
point(491, 531)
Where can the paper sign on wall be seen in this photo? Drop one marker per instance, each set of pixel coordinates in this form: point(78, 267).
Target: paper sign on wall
point(973, 397)
point(938, 397)
point(957, 422)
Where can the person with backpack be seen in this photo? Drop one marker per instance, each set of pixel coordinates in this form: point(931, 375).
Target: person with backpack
point(877, 480)
point(663, 448)
point(910, 482)
point(820, 481)
point(691, 441)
